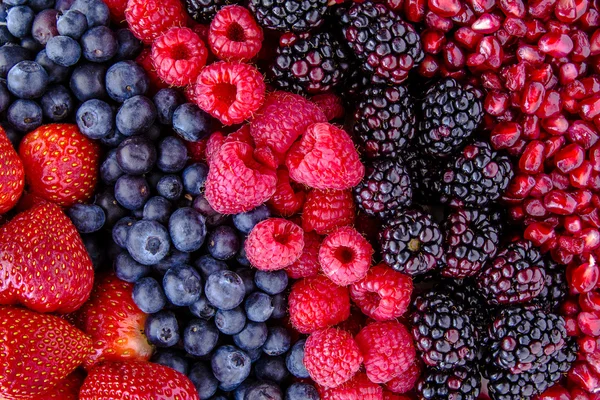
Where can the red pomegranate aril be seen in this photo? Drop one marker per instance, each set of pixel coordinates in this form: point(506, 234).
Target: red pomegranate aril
point(535, 208)
point(559, 202)
point(539, 233)
point(465, 17)
point(555, 44)
point(515, 8)
point(570, 105)
point(535, 29)
point(595, 43)
point(584, 277)
point(504, 38)
point(582, 375)
point(570, 11)
point(491, 81)
point(543, 184)
point(589, 108)
point(572, 224)
point(567, 73)
point(575, 89)
point(516, 213)
point(514, 76)
point(584, 134)
point(533, 95)
point(590, 19)
point(433, 40)
point(454, 57)
point(505, 134)
point(467, 37)
point(496, 103)
point(581, 46)
point(587, 344)
point(445, 8)
point(520, 186)
point(556, 125)
point(532, 159)
point(591, 239)
point(541, 8)
point(529, 54)
point(571, 326)
point(589, 323)
point(590, 301)
point(447, 73)
point(583, 197)
point(551, 105)
point(414, 10)
point(559, 181)
point(429, 67)
point(556, 392)
point(569, 158)
point(592, 356)
point(487, 23)
point(555, 26)
point(553, 144)
point(515, 26)
point(591, 85)
point(491, 48)
point(570, 306)
point(594, 157)
point(531, 127)
point(580, 176)
point(434, 21)
point(591, 217)
point(570, 244)
point(481, 6)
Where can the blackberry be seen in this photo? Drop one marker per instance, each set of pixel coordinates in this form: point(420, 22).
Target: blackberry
point(309, 63)
point(476, 177)
point(423, 172)
point(356, 82)
point(461, 383)
point(515, 275)
point(450, 114)
point(443, 332)
point(386, 46)
point(203, 11)
point(289, 15)
point(385, 189)
point(411, 242)
point(465, 295)
point(555, 289)
point(384, 120)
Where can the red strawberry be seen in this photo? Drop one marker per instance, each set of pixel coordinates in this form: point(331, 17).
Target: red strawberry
point(61, 165)
point(43, 262)
point(114, 322)
point(11, 174)
point(67, 389)
point(38, 351)
point(133, 380)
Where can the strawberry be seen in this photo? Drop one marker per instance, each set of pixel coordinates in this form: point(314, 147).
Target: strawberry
point(133, 380)
point(114, 322)
point(67, 389)
point(43, 262)
point(38, 351)
point(11, 174)
point(61, 165)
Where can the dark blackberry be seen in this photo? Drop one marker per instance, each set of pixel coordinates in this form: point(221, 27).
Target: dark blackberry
point(515, 275)
point(411, 242)
point(384, 120)
point(449, 115)
point(470, 239)
point(523, 338)
point(309, 63)
point(461, 383)
point(204, 11)
point(465, 295)
point(386, 46)
point(556, 289)
point(289, 15)
point(444, 334)
point(476, 177)
point(356, 82)
point(423, 172)
point(385, 189)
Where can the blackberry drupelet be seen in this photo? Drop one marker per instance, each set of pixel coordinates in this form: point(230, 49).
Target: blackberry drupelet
point(556, 288)
point(386, 46)
point(465, 295)
point(515, 275)
point(443, 332)
point(411, 242)
point(309, 63)
point(384, 120)
point(289, 15)
point(385, 189)
point(461, 383)
point(476, 177)
point(355, 84)
point(203, 11)
point(449, 115)
point(423, 173)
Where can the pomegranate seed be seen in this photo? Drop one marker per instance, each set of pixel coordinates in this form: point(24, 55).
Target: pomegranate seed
point(541, 8)
point(571, 244)
point(575, 89)
point(590, 108)
point(543, 184)
point(505, 134)
point(557, 27)
point(475, 60)
point(591, 85)
point(414, 10)
point(560, 202)
point(580, 176)
point(539, 233)
point(529, 54)
point(551, 105)
point(581, 46)
point(591, 239)
point(516, 213)
point(491, 81)
point(555, 392)
point(570, 11)
point(595, 43)
point(593, 357)
point(571, 325)
point(482, 6)
point(590, 19)
point(535, 30)
point(487, 23)
point(594, 155)
point(492, 50)
point(434, 21)
point(584, 134)
point(569, 158)
point(556, 125)
point(515, 26)
point(567, 73)
point(465, 17)
point(467, 37)
point(570, 105)
point(587, 344)
point(429, 67)
point(532, 159)
point(572, 224)
point(583, 197)
point(395, 5)
point(514, 76)
point(590, 301)
point(445, 8)
point(555, 44)
point(552, 145)
point(584, 277)
point(515, 8)
point(504, 38)
point(433, 40)
point(458, 75)
point(559, 181)
point(535, 208)
point(533, 95)
point(531, 127)
point(589, 323)
point(591, 217)
point(570, 306)
point(520, 186)
point(454, 58)
point(496, 103)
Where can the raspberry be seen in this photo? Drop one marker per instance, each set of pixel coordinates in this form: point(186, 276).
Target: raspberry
point(331, 357)
point(388, 350)
point(148, 19)
point(236, 182)
point(230, 92)
point(384, 294)
point(326, 210)
point(345, 256)
point(395, 396)
point(316, 303)
point(196, 150)
point(234, 35)
point(286, 201)
point(216, 140)
point(359, 388)
point(406, 381)
point(308, 263)
point(178, 55)
point(274, 244)
point(325, 158)
point(116, 9)
point(331, 104)
point(145, 60)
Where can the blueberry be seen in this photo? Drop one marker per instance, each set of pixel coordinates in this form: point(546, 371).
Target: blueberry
point(136, 155)
point(213, 218)
point(31, 44)
point(271, 282)
point(230, 365)
point(259, 307)
point(87, 82)
point(194, 177)
point(87, 218)
point(230, 322)
point(240, 391)
point(3, 11)
point(162, 329)
point(136, 115)
point(223, 243)
point(113, 139)
point(244, 222)
point(5, 36)
point(129, 270)
point(109, 169)
point(182, 285)
point(72, 23)
point(4, 97)
point(173, 259)
point(39, 5)
point(96, 248)
point(187, 228)
point(63, 5)
point(27, 80)
point(19, 21)
point(11, 55)
point(271, 369)
point(241, 256)
point(126, 79)
point(57, 103)
point(247, 275)
point(148, 242)
point(166, 101)
point(171, 358)
point(95, 119)
point(12, 3)
point(202, 308)
point(279, 306)
point(56, 73)
point(96, 11)
point(190, 122)
point(207, 265)
point(301, 391)
point(278, 341)
point(252, 336)
point(99, 44)
point(120, 231)
point(172, 155)
point(157, 208)
point(264, 390)
point(294, 360)
point(63, 50)
point(128, 45)
point(200, 337)
point(170, 187)
point(203, 379)
point(24, 115)
point(225, 290)
point(44, 26)
point(112, 209)
point(153, 133)
point(255, 354)
point(131, 191)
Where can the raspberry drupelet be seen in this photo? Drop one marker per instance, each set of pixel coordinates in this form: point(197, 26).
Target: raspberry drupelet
point(326, 210)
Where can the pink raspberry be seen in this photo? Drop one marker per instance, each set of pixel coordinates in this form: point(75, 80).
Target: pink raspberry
point(395, 396)
point(286, 201)
point(196, 150)
point(383, 294)
point(387, 348)
point(269, 157)
point(317, 303)
point(308, 263)
point(345, 256)
point(325, 158)
point(234, 35)
point(331, 357)
point(217, 139)
point(236, 182)
point(231, 92)
point(116, 9)
point(407, 380)
point(145, 60)
point(147, 19)
point(326, 210)
point(274, 244)
point(331, 104)
point(359, 388)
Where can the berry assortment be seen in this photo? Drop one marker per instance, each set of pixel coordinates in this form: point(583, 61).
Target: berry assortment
point(299, 200)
